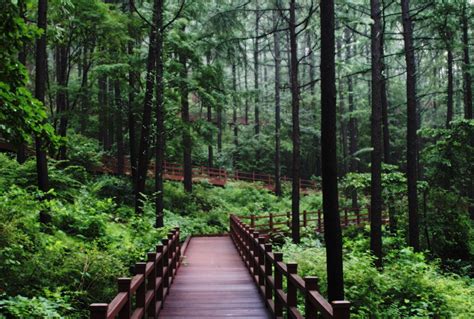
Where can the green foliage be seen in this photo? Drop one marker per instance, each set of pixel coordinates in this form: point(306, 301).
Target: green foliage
point(408, 287)
point(35, 307)
point(20, 114)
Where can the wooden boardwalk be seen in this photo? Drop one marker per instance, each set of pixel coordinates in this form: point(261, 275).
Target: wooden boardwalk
point(213, 282)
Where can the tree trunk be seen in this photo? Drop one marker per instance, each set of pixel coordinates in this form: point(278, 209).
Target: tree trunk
point(246, 115)
point(376, 135)
point(21, 148)
point(413, 228)
point(102, 98)
point(295, 109)
point(342, 125)
point(234, 114)
point(84, 89)
point(256, 70)
point(466, 65)
point(385, 125)
point(119, 128)
point(40, 90)
point(61, 95)
point(332, 225)
point(187, 143)
point(133, 75)
point(449, 113)
point(142, 167)
point(160, 121)
point(110, 116)
point(276, 42)
point(353, 143)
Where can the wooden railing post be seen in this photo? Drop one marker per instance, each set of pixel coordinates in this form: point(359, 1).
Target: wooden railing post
point(270, 221)
point(319, 220)
point(124, 286)
point(268, 273)
point(140, 269)
point(288, 219)
point(255, 256)
point(151, 285)
point(278, 283)
point(166, 272)
point(250, 250)
point(311, 284)
point(341, 309)
point(261, 261)
point(99, 310)
point(159, 274)
point(305, 219)
point(357, 215)
point(171, 253)
point(346, 217)
point(252, 221)
point(292, 292)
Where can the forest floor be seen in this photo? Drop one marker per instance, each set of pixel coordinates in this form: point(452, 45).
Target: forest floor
point(58, 270)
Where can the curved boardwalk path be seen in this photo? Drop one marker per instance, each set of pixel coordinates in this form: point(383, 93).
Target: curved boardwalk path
point(213, 282)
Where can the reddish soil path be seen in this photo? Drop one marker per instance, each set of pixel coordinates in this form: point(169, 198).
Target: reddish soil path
point(213, 283)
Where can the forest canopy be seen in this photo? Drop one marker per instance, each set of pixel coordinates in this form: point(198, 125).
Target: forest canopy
point(120, 120)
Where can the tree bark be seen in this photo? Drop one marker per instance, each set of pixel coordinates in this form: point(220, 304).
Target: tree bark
point(385, 125)
point(133, 75)
point(276, 43)
point(102, 98)
point(376, 135)
point(187, 142)
point(295, 110)
point(234, 114)
point(449, 111)
point(40, 90)
point(256, 79)
point(160, 121)
point(413, 227)
point(21, 151)
point(61, 95)
point(119, 128)
point(142, 167)
point(342, 125)
point(352, 127)
point(332, 225)
point(466, 64)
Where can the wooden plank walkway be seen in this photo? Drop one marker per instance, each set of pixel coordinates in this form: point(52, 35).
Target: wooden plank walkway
point(213, 282)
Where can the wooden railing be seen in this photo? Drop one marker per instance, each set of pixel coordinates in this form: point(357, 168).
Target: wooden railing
point(270, 274)
point(276, 222)
point(142, 296)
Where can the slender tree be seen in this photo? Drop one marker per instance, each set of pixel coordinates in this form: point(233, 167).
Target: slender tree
point(40, 90)
point(277, 54)
point(450, 89)
point(256, 64)
point(332, 226)
point(21, 152)
point(376, 135)
point(295, 110)
point(187, 142)
point(352, 127)
point(466, 65)
point(142, 167)
point(132, 90)
point(160, 120)
point(119, 127)
point(413, 228)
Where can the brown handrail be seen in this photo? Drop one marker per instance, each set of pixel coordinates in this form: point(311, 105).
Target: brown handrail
point(275, 222)
point(149, 287)
point(268, 271)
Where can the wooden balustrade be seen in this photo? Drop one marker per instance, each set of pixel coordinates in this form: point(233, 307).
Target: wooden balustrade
point(142, 296)
point(276, 222)
point(270, 273)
